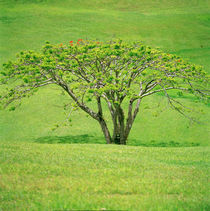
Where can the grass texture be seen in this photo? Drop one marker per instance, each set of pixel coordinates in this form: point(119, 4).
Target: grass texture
point(103, 177)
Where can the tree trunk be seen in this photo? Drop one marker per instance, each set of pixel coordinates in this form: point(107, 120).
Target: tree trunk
point(102, 122)
point(121, 129)
point(105, 131)
point(118, 125)
point(131, 117)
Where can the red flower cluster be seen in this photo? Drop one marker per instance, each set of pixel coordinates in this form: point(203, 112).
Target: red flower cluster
point(78, 41)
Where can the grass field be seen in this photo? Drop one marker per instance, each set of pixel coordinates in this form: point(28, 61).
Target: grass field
point(70, 168)
point(93, 177)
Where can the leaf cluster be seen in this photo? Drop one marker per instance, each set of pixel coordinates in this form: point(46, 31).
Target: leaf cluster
point(112, 70)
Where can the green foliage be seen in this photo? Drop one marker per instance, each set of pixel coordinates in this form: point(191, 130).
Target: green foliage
point(94, 68)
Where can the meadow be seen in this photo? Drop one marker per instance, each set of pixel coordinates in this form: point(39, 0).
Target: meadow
point(167, 166)
point(103, 177)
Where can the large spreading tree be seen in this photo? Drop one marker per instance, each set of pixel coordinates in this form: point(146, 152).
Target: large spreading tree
point(106, 73)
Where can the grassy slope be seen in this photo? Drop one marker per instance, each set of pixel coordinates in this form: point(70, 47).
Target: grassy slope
point(57, 177)
point(177, 27)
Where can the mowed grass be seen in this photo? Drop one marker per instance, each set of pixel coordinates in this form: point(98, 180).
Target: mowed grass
point(178, 27)
point(99, 177)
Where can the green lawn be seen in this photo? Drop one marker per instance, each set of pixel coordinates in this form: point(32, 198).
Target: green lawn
point(92, 177)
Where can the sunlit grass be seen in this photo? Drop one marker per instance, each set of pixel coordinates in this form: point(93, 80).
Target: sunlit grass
point(49, 177)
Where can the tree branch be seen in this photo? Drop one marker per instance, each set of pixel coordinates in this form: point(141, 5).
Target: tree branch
point(82, 106)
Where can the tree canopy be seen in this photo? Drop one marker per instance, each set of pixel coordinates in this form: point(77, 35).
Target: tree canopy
point(106, 72)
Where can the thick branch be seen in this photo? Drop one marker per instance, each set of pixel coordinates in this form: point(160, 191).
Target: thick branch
point(102, 122)
point(82, 106)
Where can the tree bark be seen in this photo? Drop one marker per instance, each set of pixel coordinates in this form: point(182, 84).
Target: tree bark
point(118, 125)
point(116, 129)
point(102, 122)
point(105, 131)
point(131, 117)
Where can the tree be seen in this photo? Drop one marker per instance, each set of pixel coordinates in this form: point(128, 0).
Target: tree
point(108, 73)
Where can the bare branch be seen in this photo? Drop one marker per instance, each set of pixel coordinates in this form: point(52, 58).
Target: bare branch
point(161, 90)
